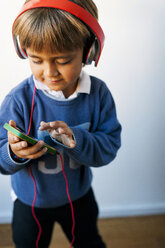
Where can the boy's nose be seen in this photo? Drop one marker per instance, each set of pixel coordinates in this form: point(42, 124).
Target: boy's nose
point(51, 70)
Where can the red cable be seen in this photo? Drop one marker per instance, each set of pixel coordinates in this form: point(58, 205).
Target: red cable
point(35, 187)
point(33, 212)
point(31, 174)
point(31, 114)
point(71, 205)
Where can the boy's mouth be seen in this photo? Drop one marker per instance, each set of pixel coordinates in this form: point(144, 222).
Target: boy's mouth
point(54, 81)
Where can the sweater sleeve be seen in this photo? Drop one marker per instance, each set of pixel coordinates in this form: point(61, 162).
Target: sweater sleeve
point(9, 110)
point(99, 145)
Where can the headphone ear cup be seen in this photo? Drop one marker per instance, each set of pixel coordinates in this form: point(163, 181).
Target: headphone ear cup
point(19, 50)
point(91, 54)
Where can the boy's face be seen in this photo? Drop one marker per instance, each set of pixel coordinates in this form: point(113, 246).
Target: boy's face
point(58, 71)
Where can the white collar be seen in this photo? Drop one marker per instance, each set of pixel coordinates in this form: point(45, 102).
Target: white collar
point(84, 86)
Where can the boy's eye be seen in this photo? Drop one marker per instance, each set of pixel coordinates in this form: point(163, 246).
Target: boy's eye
point(37, 61)
point(58, 61)
point(63, 62)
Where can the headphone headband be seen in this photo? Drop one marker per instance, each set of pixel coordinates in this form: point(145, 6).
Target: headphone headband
point(75, 10)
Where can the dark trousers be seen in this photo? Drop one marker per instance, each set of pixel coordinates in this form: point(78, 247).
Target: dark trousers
point(25, 229)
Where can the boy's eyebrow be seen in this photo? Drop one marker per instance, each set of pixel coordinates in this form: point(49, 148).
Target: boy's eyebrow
point(33, 56)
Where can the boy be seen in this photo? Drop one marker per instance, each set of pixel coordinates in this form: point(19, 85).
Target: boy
point(71, 111)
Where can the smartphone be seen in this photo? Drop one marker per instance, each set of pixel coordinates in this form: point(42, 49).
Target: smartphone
point(27, 138)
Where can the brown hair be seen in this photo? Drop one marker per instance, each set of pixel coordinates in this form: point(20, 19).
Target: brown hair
point(53, 29)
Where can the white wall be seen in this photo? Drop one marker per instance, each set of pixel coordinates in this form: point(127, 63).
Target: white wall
point(132, 64)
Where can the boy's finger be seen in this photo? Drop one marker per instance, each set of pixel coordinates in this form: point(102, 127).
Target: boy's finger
point(30, 150)
point(12, 138)
point(12, 123)
point(35, 148)
point(58, 124)
point(44, 125)
point(72, 144)
point(19, 146)
point(38, 154)
point(52, 124)
point(68, 141)
point(66, 131)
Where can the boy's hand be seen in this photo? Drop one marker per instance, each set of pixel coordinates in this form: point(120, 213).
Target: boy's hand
point(20, 148)
point(59, 130)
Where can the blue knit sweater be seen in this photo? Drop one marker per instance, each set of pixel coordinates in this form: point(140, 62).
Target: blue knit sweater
point(92, 118)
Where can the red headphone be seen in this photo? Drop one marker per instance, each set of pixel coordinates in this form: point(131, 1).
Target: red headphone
point(94, 52)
